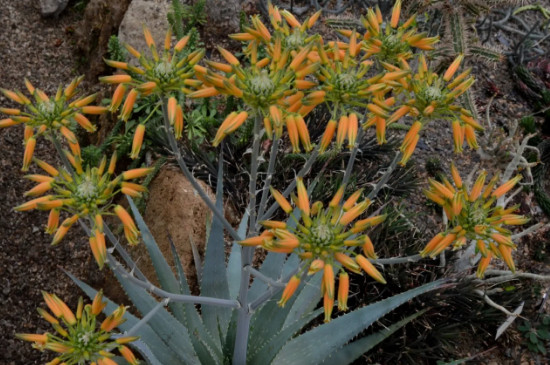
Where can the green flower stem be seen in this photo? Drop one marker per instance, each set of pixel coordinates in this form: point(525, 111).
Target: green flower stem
point(351, 161)
point(189, 175)
point(244, 316)
point(385, 177)
point(269, 177)
point(262, 277)
point(178, 298)
point(292, 184)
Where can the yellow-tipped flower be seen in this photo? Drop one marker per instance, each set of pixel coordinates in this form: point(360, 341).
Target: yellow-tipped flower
point(290, 288)
point(474, 215)
point(78, 339)
point(322, 240)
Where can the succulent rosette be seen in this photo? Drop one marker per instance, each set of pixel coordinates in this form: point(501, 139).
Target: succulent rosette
point(78, 338)
point(324, 239)
point(45, 115)
point(475, 215)
point(88, 193)
point(162, 74)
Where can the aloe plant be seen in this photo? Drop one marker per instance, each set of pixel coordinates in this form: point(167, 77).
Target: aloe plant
point(239, 321)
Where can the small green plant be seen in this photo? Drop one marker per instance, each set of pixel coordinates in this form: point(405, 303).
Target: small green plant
point(536, 335)
point(116, 50)
point(183, 18)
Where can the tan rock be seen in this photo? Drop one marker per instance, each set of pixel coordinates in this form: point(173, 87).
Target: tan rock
point(174, 208)
point(153, 14)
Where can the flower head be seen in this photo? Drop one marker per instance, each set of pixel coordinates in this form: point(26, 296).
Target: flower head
point(45, 115)
point(274, 86)
point(474, 215)
point(393, 42)
point(430, 97)
point(78, 339)
point(88, 193)
point(162, 73)
point(324, 239)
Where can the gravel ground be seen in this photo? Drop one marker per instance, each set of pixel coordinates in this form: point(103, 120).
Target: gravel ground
point(43, 51)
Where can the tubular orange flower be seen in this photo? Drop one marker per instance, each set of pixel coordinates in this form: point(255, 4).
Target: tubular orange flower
point(293, 133)
point(29, 151)
point(343, 127)
point(370, 269)
point(303, 200)
point(138, 140)
point(128, 105)
point(506, 187)
point(290, 288)
point(453, 68)
point(327, 136)
point(118, 96)
point(343, 291)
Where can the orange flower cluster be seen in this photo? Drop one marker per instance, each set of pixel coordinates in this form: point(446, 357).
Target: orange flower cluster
point(273, 87)
point(81, 341)
point(47, 115)
point(85, 194)
point(162, 75)
point(430, 97)
point(473, 215)
point(323, 241)
point(391, 42)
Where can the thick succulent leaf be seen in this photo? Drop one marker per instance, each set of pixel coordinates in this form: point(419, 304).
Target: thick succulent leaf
point(208, 349)
point(161, 352)
point(316, 345)
point(234, 265)
point(214, 277)
point(229, 343)
point(264, 354)
point(271, 267)
point(350, 352)
point(170, 330)
point(164, 273)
